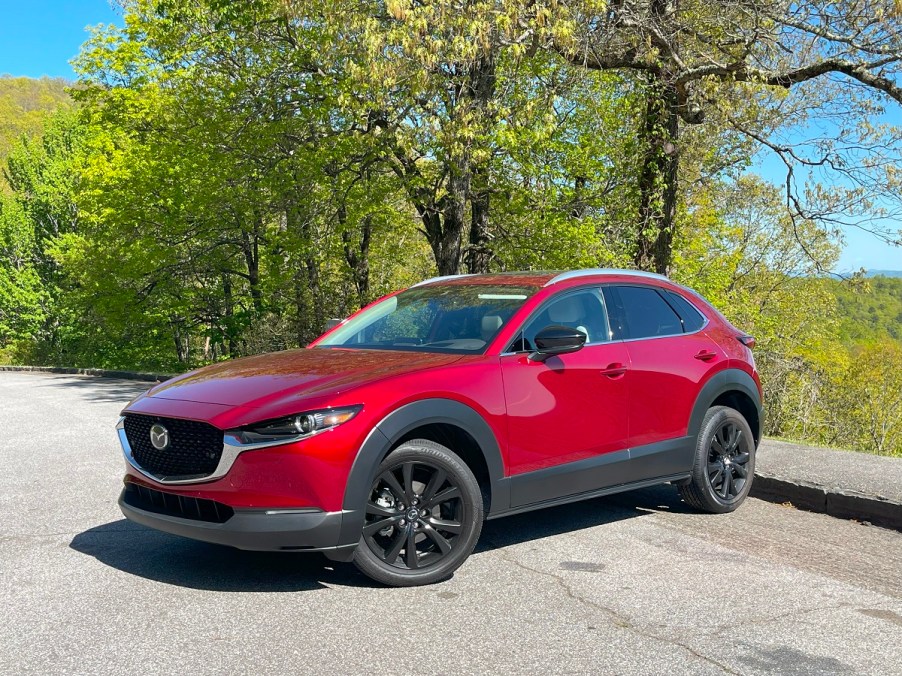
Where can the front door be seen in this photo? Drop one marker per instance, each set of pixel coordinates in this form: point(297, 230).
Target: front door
point(567, 412)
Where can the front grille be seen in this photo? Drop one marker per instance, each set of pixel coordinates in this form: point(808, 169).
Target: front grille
point(193, 452)
point(158, 502)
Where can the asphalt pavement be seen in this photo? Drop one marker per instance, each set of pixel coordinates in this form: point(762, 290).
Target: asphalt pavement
point(635, 583)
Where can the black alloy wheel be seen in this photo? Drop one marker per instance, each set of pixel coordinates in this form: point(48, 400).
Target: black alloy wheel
point(724, 465)
point(423, 516)
point(728, 460)
point(413, 515)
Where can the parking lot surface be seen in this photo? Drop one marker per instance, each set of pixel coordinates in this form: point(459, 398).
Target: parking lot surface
point(635, 583)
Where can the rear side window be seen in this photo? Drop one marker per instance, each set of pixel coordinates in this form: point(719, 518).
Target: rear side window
point(643, 313)
point(692, 318)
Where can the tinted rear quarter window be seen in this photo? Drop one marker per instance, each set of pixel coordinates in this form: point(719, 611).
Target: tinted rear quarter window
point(693, 320)
point(645, 313)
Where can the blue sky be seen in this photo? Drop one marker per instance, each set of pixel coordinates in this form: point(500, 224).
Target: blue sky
point(40, 37)
point(862, 249)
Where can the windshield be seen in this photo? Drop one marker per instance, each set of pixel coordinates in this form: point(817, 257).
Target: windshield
point(435, 318)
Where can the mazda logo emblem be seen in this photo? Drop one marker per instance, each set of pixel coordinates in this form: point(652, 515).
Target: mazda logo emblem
point(159, 437)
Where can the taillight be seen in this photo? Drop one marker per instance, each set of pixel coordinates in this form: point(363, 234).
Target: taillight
point(748, 341)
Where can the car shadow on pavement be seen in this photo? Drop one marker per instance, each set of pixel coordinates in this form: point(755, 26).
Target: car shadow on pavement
point(576, 516)
point(98, 389)
point(169, 559)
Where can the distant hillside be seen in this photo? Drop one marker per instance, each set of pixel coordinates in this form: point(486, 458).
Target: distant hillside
point(884, 273)
point(870, 313)
point(24, 104)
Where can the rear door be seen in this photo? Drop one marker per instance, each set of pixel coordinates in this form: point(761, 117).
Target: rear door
point(670, 357)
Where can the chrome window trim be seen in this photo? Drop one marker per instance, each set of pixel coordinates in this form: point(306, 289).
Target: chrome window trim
point(666, 335)
point(591, 272)
point(599, 286)
point(626, 340)
point(231, 449)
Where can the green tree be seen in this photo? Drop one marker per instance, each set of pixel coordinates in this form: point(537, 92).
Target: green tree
point(23, 298)
point(789, 62)
point(231, 180)
point(742, 251)
point(868, 393)
point(44, 182)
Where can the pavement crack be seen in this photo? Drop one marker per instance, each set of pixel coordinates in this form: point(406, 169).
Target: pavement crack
point(795, 613)
point(615, 617)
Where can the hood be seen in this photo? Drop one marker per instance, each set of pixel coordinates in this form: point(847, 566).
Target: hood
point(260, 380)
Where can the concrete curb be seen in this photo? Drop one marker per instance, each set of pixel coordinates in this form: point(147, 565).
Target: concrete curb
point(838, 502)
point(102, 373)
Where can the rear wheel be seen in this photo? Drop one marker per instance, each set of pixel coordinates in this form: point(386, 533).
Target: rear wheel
point(423, 517)
point(724, 462)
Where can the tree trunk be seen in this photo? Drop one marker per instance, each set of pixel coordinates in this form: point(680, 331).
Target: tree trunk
point(228, 300)
point(358, 257)
point(658, 179)
point(318, 322)
point(444, 219)
point(482, 88)
point(251, 249)
point(579, 208)
point(303, 269)
point(444, 223)
point(300, 308)
point(479, 253)
point(182, 343)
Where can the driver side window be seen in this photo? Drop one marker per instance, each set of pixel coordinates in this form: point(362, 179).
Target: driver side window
point(582, 310)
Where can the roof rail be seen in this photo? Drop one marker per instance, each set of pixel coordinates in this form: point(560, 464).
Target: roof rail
point(438, 279)
point(591, 272)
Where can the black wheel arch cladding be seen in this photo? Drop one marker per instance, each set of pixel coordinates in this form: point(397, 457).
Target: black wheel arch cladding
point(721, 383)
point(394, 427)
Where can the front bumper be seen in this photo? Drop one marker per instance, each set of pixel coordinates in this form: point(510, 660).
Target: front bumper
point(305, 529)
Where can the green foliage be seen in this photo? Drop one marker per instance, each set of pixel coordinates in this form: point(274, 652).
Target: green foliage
point(24, 107)
point(22, 295)
point(869, 309)
point(236, 174)
point(828, 365)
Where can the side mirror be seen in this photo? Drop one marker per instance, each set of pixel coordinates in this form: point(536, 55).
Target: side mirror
point(554, 340)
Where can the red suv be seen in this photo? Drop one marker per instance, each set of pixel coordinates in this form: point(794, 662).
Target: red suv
point(390, 438)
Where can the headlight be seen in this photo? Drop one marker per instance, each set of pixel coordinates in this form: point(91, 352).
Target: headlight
point(295, 427)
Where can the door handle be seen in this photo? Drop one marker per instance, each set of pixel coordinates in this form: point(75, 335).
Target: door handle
point(615, 370)
point(706, 355)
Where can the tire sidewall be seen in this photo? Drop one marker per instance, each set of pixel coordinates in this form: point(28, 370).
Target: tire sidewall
point(716, 417)
point(471, 518)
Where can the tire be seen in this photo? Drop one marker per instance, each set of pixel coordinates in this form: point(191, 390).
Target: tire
point(724, 465)
point(424, 514)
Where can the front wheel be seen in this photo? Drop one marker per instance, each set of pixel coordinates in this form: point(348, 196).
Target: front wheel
point(724, 464)
point(424, 514)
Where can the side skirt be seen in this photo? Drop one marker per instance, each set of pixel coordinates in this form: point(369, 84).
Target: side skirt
point(588, 495)
point(660, 462)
